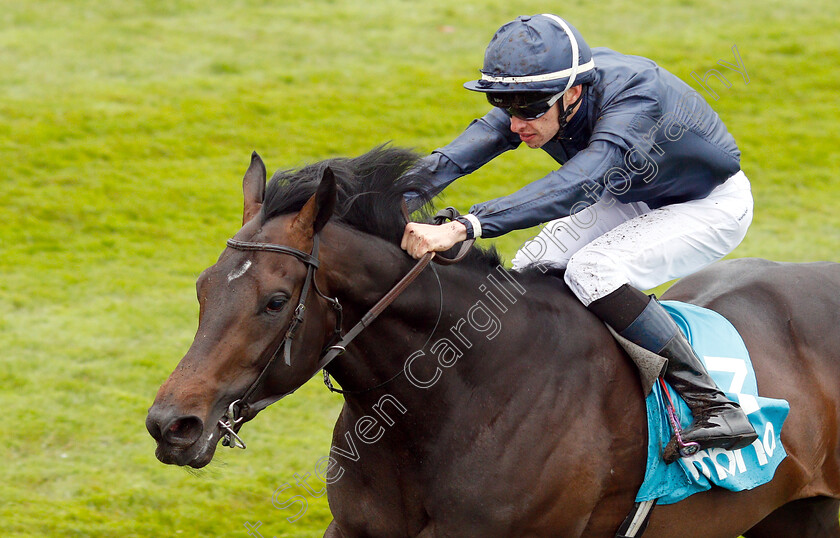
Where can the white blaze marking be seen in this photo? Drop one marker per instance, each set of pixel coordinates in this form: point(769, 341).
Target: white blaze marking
point(236, 273)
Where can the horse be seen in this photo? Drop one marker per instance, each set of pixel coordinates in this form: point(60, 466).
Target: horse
point(481, 402)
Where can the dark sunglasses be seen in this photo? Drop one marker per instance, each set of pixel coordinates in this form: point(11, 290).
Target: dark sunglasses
point(524, 106)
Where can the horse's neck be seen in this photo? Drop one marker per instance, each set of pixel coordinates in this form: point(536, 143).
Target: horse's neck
point(360, 272)
point(454, 331)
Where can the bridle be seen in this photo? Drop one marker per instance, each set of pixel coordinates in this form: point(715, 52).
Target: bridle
point(232, 419)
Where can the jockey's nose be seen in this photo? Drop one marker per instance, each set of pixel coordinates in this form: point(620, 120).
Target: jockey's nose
point(517, 124)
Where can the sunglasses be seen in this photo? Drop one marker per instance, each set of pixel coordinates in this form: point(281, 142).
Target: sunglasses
point(524, 106)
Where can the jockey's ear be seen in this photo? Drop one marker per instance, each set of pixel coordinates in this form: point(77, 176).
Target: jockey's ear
point(319, 208)
point(253, 187)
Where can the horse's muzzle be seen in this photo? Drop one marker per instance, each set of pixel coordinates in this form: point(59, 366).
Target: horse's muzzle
point(178, 438)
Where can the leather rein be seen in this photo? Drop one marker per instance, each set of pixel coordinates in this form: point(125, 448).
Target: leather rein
point(232, 419)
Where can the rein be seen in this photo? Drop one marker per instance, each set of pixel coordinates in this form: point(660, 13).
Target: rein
point(232, 419)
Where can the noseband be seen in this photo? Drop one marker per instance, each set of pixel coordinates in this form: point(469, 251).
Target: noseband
point(231, 421)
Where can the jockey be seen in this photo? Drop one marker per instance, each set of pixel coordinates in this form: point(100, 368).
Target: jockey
point(650, 190)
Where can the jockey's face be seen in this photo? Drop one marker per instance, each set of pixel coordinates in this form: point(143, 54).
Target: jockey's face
point(537, 132)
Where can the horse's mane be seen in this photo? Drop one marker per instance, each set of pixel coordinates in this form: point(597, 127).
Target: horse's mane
point(370, 194)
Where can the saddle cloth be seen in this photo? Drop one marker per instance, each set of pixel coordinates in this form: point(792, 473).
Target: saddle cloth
point(726, 358)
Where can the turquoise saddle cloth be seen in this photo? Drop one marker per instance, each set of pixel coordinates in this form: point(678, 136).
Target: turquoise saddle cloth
point(723, 351)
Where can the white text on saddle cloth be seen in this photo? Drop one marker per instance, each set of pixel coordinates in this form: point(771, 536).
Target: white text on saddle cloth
point(738, 369)
point(730, 462)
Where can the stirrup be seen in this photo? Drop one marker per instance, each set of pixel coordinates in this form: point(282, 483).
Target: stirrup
point(678, 447)
point(681, 448)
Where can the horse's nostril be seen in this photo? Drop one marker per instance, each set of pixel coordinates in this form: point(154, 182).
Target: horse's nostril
point(184, 431)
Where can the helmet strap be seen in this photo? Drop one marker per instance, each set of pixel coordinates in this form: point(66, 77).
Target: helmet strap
point(563, 119)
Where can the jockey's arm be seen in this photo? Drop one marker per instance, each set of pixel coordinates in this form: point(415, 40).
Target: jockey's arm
point(553, 196)
point(484, 140)
point(571, 188)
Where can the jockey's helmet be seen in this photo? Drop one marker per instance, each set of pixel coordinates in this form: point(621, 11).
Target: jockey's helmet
point(539, 53)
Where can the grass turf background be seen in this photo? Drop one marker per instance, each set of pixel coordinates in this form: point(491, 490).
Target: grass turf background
point(125, 128)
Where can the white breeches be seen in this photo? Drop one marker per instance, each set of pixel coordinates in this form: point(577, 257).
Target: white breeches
point(610, 244)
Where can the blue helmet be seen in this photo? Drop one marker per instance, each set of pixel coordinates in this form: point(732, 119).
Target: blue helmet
point(539, 53)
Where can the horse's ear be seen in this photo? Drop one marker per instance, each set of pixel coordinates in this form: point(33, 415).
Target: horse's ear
point(319, 208)
point(253, 187)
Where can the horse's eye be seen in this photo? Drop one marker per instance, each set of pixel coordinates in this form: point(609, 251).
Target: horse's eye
point(275, 304)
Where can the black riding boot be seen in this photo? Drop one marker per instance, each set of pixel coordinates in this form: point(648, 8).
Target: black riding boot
point(718, 421)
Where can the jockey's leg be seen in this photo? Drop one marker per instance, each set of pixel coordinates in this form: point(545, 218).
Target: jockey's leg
point(645, 251)
point(718, 422)
point(560, 239)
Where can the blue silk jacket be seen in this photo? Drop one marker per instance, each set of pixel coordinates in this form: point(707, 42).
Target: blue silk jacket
point(640, 133)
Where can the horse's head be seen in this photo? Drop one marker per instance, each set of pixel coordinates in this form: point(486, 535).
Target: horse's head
point(248, 301)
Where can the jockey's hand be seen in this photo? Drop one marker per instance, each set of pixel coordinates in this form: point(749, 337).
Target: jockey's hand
point(418, 238)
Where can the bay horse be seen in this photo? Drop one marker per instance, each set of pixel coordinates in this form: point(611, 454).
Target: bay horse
point(482, 402)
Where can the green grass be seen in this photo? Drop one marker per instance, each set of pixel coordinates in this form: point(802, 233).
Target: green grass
point(125, 128)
